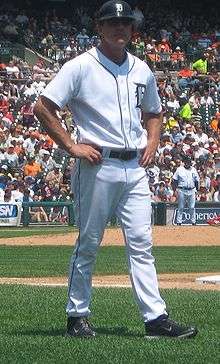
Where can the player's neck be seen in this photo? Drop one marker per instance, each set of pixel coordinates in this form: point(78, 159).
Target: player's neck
point(116, 55)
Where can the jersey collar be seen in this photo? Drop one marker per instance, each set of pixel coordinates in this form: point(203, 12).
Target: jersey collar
point(125, 67)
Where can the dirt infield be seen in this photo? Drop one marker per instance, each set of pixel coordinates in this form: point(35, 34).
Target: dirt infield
point(162, 236)
point(178, 280)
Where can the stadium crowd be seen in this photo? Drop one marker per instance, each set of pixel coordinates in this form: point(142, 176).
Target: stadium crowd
point(183, 52)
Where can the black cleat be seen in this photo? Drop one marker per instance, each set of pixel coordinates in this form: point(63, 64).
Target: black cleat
point(79, 327)
point(179, 224)
point(163, 326)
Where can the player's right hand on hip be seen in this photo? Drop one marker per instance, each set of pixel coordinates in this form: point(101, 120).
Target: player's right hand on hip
point(91, 153)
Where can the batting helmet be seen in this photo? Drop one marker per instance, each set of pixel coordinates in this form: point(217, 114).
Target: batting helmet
point(115, 9)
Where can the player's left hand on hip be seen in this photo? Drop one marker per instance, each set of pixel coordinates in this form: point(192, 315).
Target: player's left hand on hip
point(147, 157)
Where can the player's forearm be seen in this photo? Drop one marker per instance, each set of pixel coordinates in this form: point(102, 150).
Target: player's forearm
point(47, 115)
point(152, 123)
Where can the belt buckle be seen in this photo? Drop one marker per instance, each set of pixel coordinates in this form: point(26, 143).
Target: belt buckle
point(124, 155)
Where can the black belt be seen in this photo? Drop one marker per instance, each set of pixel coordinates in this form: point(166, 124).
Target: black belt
point(187, 188)
point(125, 155)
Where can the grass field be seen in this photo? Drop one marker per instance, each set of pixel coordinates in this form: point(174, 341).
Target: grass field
point(24, 261)
point(33, 324)
point(33, 318)
point(14, 232)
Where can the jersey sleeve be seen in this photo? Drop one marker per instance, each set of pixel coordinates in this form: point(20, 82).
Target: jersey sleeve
point(64, 85)
point(151, 101)
point(176, 176)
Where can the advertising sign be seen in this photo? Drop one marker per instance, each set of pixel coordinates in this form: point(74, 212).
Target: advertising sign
point(203, 214)
point(10, 214)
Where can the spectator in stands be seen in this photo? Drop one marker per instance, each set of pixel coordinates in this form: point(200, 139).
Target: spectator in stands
point(7, 196)
point(4, 104)
point(37, 213)
point(46, 162)
point(185, 111)
point(32, 168)
point(200, 66)
point(161, 192)
point(195, 100)
point(203, 195)
point(5, 176)
point(177, 59)
point(176, 135)
point(11, 157)
point(41, 73)
point(30, 143)
point(17, 192)
point(199, 135)
point(215, 122)
point(27, 115)
point(12, 70)
point(216, 196)
point(55, 177)
point(206, 99)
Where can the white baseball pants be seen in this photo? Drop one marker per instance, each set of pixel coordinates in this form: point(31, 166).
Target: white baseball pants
point(186, 199)
point(121, 188)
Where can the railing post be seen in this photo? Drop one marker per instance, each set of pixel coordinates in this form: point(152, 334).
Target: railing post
point(26, 217)
point(71, 214)
point(161, 213)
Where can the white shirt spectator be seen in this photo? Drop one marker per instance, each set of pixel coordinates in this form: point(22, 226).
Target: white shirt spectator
point(216, 196)
point(201, 137)
point(29, 145)
point(207, 101)
point(11, 158)
point(12, 70)
point(17, 195)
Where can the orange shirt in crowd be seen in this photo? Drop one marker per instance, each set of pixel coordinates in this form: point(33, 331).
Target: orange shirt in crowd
point(32, 169)
point(215, 124)
point(185, 72)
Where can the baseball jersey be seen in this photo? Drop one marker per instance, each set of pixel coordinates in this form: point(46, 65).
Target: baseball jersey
point(186, 178)
point(106, 99)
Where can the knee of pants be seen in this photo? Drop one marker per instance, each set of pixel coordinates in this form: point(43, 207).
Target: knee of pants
point(139, 238)
point(88, 246)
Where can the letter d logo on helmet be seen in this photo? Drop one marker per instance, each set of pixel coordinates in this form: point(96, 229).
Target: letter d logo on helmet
point(119, 7)
point(115, 9)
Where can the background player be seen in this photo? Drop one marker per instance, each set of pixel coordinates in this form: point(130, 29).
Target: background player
point(186, 182)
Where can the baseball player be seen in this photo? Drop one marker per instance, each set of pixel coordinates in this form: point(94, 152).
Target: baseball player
point(186, 182)
point(108, 90)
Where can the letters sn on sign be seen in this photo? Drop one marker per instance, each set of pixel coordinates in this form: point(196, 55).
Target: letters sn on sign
point(119, 7)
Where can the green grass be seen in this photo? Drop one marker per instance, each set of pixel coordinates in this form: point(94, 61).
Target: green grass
point(33, 324)
point(23, 261)
point(14, 232)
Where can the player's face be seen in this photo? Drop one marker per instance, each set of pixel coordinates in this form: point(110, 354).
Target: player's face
point(116, 32)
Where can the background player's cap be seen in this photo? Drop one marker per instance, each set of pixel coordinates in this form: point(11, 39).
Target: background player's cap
point(187, 159)
point(115, 9)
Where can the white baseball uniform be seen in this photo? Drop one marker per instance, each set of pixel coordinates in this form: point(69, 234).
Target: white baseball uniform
point(186, 179)
point(106, 101)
